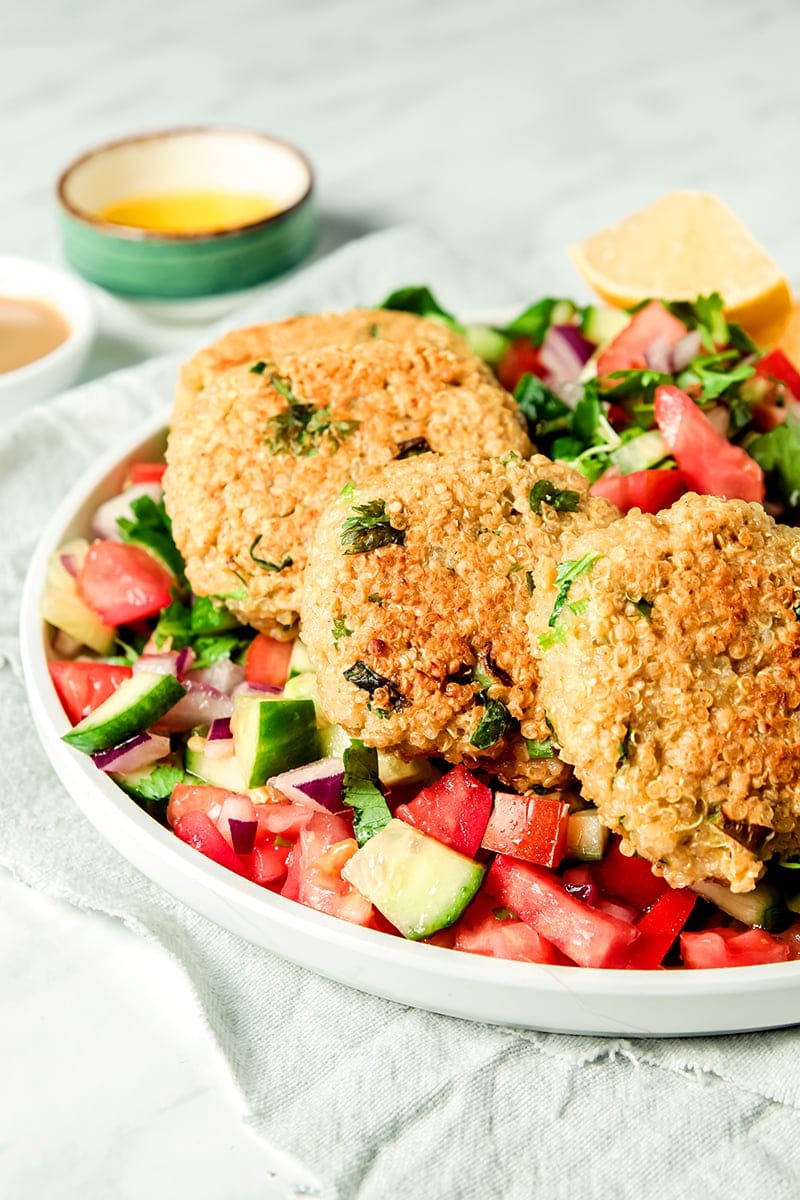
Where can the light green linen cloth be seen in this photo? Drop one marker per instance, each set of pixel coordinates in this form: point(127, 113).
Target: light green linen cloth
point(378, 1100)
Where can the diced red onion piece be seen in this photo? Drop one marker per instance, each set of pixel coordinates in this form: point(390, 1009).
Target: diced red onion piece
point(255, 689)
point(684, 350)
point(220, 730)
point(243, 835)
point(200, 706)
point(219, 743)
point(319, 782)
point(564, 352)
point(134, 754)
point(104, 522)
point(224, 675)
point(157, 664)
point(183, 662)
point(236, 810)
point(70, 564)
point(658, 356)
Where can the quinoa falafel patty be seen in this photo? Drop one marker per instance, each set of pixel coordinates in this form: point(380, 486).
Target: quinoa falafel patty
point(414, 609)
point(247, 479)
point(673, 684)
point(298, 335)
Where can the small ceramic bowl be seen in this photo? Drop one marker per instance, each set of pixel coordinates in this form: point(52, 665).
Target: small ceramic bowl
point(143, 264)
point(24, 279)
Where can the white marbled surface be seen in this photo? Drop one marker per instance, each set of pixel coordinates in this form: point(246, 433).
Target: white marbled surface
point(509, 129)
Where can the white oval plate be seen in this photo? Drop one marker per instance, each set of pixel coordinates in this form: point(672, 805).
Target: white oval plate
point(560, 999)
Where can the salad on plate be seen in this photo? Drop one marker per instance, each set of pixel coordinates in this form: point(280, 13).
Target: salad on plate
point(478, 835)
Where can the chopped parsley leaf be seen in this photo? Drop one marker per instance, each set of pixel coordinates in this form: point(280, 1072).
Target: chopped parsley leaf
point(560, 499)
point(624, 748)
point(258, 368)
point(369, 528)
point(492, 725)
point(285, 562)
point(151, 528)
point(543, 749)
point(301, 428)
point(504, 914)
point(340, 629)
point(566, 574)
point(361, 791)
point(642, 606)
point(363, 677)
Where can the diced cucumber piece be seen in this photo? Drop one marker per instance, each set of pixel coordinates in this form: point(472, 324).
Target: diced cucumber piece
point(601, 324)
point(64, 607)
point(219, 772)
point(419, 884)
point(272, 735)
point(762, 907)
point(640, 453)
point(393, 772)
point(587, 837)
point(137, 703)
point(333, 740)
point(299, 662)
point(563, 313)
point(301, 687)
point(487, 343)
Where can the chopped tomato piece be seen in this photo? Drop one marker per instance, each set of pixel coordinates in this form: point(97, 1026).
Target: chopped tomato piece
point(530, 827)
point(285, 819)
point(315, 864)
point(194, 797)
point(791, 938)
point(521, 358)
point(267, 661)
point(268, 867)
point(629, 879)
point(649, 490)
point(659, 927)
point(776, 366)
point(627, 351)
point(710, 463)
point(198, 830)
point(454, 810)
point(728, 948)
point(146, 472)
point(487, 929)
point(83, 686)
point(123, 583)
point(589, 937)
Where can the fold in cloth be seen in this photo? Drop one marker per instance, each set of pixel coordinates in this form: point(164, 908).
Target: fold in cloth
point(376, 1099)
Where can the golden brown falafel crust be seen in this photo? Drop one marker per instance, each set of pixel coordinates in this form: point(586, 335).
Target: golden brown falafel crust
point(244, 489)
point(446, 604)
point(676, 693)
point(299, 335)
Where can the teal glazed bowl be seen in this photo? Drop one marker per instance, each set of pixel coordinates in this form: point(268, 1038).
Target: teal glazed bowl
point(147, 265)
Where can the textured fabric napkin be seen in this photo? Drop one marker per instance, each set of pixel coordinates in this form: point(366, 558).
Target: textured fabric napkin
point(376, 1099)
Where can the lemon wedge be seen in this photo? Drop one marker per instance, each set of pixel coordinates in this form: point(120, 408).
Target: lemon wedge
point(687, 244)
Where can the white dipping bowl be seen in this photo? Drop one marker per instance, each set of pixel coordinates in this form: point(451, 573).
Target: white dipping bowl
point(24, 279)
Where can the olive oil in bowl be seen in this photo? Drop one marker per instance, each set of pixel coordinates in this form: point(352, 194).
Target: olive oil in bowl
point(189, 213)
